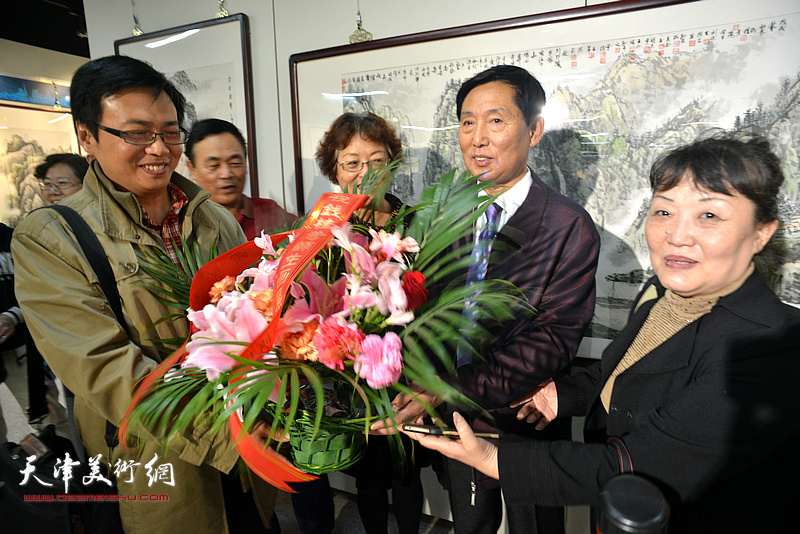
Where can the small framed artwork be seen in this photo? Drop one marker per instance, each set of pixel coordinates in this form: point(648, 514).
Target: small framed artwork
point(28, 134)
point(34, 93)
point(209, 62)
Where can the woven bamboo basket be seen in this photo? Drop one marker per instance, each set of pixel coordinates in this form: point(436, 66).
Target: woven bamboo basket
point(337, 444)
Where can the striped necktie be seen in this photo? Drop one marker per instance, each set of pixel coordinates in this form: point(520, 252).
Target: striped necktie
point(478, 263)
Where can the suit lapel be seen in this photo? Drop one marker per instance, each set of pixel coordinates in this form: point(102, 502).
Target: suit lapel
point(674, 353)
point(518, 235)
point(520, 230)
point(616, 350)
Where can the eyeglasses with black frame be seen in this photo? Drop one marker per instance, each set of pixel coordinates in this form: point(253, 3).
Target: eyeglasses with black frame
point(143, 137)
point(355, 166)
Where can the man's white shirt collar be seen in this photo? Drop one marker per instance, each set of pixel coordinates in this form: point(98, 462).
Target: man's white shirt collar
point(511, 199)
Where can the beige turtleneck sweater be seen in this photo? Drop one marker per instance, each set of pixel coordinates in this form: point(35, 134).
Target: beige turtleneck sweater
point(669, 315)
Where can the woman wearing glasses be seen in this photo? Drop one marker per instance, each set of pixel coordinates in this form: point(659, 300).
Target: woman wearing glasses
point(60, 176)
point(355, 143)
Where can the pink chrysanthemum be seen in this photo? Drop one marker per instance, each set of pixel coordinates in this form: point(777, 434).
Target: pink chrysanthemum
point(380, 362)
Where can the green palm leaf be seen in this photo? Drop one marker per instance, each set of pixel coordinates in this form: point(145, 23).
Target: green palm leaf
point(170, 284)
point(442, 223)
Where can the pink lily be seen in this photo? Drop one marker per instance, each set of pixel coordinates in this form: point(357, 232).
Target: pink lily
point(386, 245)
point(234, 319)
point(323, 301)
point(265, 243)
point(392, 300)
point(358, 260)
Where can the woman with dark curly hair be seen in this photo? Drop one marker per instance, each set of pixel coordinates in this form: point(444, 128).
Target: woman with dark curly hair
point(60, 176)
point(354, 144)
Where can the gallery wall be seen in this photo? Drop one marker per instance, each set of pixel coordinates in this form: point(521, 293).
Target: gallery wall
point(285, 27)
point(32, 61)
point(282, 28)
point(27, 135)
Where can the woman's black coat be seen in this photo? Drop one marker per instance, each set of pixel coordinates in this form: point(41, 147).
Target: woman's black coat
point(712, 416)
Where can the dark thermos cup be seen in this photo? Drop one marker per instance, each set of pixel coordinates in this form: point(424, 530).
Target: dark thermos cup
point(630, 504)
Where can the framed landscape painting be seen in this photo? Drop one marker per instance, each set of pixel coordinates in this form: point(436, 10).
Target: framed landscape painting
point(625, 81)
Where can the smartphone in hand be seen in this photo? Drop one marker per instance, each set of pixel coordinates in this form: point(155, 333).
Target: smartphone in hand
point(450, 432)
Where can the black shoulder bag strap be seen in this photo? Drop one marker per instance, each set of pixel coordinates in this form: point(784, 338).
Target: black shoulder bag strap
point(624, 457)
point(99, 261)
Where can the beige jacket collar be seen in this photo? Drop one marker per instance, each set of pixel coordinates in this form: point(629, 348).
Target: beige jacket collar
point(120, 212)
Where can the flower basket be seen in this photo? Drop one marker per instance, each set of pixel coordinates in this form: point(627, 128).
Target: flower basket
point(333, 303)
point(335, 445)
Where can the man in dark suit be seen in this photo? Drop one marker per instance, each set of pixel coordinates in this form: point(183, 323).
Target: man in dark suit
point(547, 246)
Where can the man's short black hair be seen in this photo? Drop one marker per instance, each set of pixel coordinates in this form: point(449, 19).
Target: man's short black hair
point(528, 93)
point(208, 127)
point(106, 76)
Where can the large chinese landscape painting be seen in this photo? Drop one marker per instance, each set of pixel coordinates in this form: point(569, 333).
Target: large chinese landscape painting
point(612, 108)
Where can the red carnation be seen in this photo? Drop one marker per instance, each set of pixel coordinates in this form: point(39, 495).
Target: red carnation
point(414, 288)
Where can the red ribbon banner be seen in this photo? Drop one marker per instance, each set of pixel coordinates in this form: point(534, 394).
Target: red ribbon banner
point(332, 209)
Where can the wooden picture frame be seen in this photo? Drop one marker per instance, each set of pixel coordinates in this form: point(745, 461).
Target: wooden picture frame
point(625, 81)
point(28, 134)
point(210, 63)
point(309, 71)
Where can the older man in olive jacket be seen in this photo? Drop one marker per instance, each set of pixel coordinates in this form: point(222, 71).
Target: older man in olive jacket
point(128, 117)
